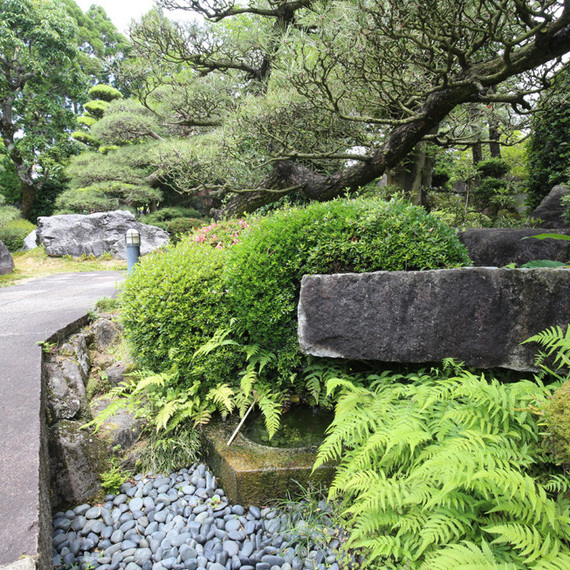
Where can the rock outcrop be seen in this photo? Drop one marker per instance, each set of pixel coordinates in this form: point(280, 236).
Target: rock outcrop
point(551, 210)
point(78, 455)
point(497, 247)
point(477, 315)
point(95, 234)
point(31, 241)
point(6, 261)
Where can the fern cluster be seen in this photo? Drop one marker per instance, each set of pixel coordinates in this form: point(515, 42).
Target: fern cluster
point(438, 473)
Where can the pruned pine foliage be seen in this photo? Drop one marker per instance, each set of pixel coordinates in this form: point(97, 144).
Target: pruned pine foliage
point(441, 473)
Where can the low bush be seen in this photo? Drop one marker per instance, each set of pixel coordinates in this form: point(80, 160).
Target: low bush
point(263, 272)
point(172, 304)
point(168, 214)
point(13, 233)
point(7, 214)
point(180, 227)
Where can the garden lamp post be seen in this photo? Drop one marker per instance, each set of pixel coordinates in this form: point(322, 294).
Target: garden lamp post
point(133, 241)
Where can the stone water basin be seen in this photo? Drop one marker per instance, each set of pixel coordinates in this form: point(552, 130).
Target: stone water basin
point(254, 474)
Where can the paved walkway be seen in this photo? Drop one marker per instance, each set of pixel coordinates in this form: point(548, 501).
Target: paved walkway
point(30, 313)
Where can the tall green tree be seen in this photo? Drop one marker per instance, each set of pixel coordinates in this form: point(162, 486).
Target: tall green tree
point(40, 79)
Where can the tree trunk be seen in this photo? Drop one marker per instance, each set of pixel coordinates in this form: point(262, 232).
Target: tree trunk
point(29, 194)
point(410, 175)
point(477, 153)
point(494, 146)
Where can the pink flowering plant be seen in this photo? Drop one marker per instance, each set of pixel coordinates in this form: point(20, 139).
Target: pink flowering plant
point(221, 234)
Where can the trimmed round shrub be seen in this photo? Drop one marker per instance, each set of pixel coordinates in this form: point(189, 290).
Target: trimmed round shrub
point(8, 213)
point(172, 303)
point(493, 167)
point(15, 232)
point(263, 273)
point(181, 227)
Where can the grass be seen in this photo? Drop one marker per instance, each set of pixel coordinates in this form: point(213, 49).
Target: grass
point(36, 263)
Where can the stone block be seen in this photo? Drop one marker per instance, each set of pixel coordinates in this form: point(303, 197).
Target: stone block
point(76, 459)
point(477, 315)
point(67, 397)
point(253, 474)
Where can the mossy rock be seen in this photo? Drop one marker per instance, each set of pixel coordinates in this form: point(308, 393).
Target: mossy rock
point(558, 418)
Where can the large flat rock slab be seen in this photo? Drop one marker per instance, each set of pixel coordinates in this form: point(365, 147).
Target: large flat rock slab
point(30, 313)
point(477, 315)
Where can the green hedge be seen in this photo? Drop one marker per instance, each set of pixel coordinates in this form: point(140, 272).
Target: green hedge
point(263, 273)
point(250, 275)
point(172, 303)
point(15, 232)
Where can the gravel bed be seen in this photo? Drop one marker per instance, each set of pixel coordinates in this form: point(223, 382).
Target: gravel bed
point(182, 521)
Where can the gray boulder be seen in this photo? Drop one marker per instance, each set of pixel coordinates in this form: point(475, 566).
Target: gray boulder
point(105, 333)
point(96, 234)
point(121, 429)
point(497, 247)
point(477, 315)
point(67, 398)
point(31, 241)
point(551, 210)
point(76, 459)
point(6, 261)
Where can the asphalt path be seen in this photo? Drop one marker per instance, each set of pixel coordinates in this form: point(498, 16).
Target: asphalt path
point(31, 313)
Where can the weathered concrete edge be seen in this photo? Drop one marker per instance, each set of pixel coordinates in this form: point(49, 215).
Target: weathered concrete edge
point(43, 557)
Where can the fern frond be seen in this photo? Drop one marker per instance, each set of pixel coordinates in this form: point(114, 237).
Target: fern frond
point(465, 556)
point(248, 379)
point(270, 406)
point(153, 380)
point(221, 395)
point(165, 413)
point(554, 340)
point(218, 340)
point(108, 412)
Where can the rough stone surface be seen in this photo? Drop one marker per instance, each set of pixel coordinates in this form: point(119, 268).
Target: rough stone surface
point(95, 234)
point(550, 210)
point(122, 428)
point(6, 261)
point(76, 459)
point(497, 247)
point(105, 333)
point(31, 241)
point(476, 315)
point(65, 389)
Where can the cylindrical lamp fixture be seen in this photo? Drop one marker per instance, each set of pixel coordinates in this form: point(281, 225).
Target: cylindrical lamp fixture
point(133, 242)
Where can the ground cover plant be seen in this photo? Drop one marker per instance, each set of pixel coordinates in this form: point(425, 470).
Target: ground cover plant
point(36, 263)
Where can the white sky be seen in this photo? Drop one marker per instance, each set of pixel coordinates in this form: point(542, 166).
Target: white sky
point(122, 12)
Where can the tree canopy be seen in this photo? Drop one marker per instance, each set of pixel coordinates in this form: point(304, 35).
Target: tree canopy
point(323, 98)
point(49, 53)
